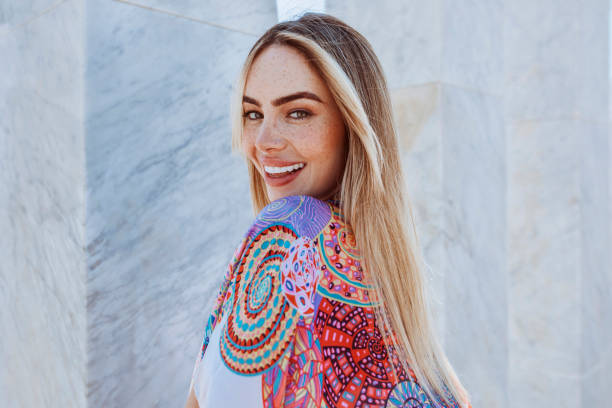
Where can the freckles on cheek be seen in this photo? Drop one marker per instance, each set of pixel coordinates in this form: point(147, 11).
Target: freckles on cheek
point(247, 146)
point(319, 140)
point(303, 143)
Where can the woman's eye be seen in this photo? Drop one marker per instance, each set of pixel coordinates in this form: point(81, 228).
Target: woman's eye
point(299, 114)
point(251, 115)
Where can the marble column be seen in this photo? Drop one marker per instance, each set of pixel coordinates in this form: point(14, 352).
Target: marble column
point(556, 110)
point(42, 205)
point(167, 202)
point(443, 62)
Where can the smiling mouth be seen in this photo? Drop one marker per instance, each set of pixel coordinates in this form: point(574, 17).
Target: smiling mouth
point(280, 172)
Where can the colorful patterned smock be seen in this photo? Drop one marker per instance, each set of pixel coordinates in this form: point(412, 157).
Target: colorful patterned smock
point(294, 324)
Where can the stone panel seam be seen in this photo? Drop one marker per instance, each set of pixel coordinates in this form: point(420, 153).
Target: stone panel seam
point(170, 13)
point(42, 13)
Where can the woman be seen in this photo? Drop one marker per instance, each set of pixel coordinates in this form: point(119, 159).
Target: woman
point(322, 304)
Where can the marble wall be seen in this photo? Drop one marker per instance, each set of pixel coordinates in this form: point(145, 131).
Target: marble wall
point(556, 108)
point(504, 124)
point(121, 202)
point(43, 336)
point(167, 202)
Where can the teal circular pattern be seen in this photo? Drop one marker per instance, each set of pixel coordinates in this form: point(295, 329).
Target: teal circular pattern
point(259, 292)
point(408, 394)
point(261, 322)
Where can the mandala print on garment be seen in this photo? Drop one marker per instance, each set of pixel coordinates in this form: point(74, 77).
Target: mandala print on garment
point(260, 327)
point(304, 214)
point(343, 276)
point(408, 394)
point(299, 275)
point(296, 380)
point(264, 315)
point(299, 313)
point(357, 367)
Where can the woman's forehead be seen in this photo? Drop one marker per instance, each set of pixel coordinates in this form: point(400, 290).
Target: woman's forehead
point(280, 70)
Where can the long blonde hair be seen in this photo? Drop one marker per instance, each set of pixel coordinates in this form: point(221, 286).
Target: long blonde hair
point(372, 194)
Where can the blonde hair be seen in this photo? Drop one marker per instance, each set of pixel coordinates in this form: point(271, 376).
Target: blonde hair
point(372, 193)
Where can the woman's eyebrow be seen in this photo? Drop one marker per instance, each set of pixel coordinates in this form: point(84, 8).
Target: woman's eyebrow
point(285, 99)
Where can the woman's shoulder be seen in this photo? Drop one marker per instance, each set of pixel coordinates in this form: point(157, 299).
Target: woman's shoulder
point(316, 235)
point(306, 216)
point(343, 276)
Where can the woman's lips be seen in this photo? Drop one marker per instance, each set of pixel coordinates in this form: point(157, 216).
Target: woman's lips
point(277, 180)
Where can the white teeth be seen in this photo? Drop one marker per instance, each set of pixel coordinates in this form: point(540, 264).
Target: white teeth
point(276, 170)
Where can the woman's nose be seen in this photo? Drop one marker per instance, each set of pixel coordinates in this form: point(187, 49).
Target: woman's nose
point(268, 137)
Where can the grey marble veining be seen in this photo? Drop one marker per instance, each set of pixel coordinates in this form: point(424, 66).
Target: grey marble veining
point(167, 202)
point(558, 158)
point(252, 17)
point(547, 46)
point(545, 266)
point(418, 119)
point(15, 12)
point(420, 42)
point(471, 47)
point(42, 208)
point(474, 171)
point(406, 36)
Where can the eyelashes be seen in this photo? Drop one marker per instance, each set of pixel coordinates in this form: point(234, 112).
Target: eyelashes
point(301, 114)
point(246, 115)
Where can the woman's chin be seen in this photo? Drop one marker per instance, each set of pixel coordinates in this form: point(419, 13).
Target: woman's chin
point(275, 194)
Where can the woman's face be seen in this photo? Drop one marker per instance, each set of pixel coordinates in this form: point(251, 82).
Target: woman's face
point(293, 131)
